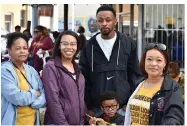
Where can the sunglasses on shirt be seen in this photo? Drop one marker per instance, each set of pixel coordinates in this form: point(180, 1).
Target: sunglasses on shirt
point(160, 46)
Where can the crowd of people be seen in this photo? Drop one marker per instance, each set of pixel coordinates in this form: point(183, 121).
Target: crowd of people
point(107, 86)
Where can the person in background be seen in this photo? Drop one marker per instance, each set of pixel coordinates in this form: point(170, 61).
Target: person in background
point(28, 34)
point(158, 99)
point(50, 35)
point(172, 36)
point(109, 104)
point(64, 83)
point(17, 28)
point(22, 92)
point(82, 38)
point(55, 35)
point(92, 27)
point(174, 72)
point(77, 25)
point(160, 35)
point(109, 62)
point(40, 44)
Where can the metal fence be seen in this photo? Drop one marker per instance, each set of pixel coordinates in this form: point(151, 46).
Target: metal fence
point(165, 23)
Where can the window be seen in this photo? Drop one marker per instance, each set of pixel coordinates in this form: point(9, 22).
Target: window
point(22, 18)
point(8, 22)
point(45, 10)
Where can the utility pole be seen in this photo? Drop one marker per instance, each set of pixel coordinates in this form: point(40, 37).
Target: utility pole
point(34, 15)
point(65, 17)
point(140, 43)
point(131, 19)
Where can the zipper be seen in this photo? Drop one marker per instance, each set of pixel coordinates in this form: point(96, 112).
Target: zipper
point(76, 83)
point(79, 98)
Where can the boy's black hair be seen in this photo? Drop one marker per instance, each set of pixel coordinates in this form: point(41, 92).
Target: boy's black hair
point(11, 37)
point(106, 8)
point(108, 95)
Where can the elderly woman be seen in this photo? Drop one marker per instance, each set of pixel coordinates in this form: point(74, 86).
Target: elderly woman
point(22, 92)
point(64, 83)
point(158, 99)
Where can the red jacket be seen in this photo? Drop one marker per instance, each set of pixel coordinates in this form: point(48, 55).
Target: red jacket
point(44, 43)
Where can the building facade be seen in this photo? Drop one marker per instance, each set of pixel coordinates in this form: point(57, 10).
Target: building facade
point(14, 14)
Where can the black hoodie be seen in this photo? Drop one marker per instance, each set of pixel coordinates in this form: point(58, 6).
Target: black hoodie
point(116, 119)
point(119, 74)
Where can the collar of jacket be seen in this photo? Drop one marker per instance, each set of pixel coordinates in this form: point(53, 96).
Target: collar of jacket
point(58, 63)
point(167, 83)
point(117, 38)
point(10, 65)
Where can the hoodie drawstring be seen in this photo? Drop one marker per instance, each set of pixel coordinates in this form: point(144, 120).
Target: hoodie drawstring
point(117, 55)
point(92, 58)
point(118, 52)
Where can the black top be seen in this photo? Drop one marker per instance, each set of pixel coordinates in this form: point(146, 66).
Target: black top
point(120, 74)
point(117, 119)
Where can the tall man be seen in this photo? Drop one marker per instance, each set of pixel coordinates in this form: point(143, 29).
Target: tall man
point(109, 62)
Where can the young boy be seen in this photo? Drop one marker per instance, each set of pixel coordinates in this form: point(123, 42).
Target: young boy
point(109, 105)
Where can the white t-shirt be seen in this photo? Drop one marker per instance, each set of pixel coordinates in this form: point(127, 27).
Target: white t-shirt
point(29, 42)
point(106, 45)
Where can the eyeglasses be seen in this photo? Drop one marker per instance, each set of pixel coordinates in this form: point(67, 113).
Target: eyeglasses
point(112, 107)
point(160, 46)
point(66, 44)
point(35, 32)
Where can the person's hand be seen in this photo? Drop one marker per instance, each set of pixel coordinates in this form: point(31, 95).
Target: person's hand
point(91, 112)
point(100, 121)
point(92, 121)
point(38, 93)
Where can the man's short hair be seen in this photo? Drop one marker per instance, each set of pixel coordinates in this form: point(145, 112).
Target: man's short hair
point(106, 8)
point(108, 95)
point(17, 27)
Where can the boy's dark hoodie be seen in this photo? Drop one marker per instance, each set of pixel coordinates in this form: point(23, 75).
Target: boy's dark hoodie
point(117, 119)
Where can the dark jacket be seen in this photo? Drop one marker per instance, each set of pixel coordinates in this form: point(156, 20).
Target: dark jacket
point(118, 74)
point(117, 119)
point(166, 106)
point(64, 95)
